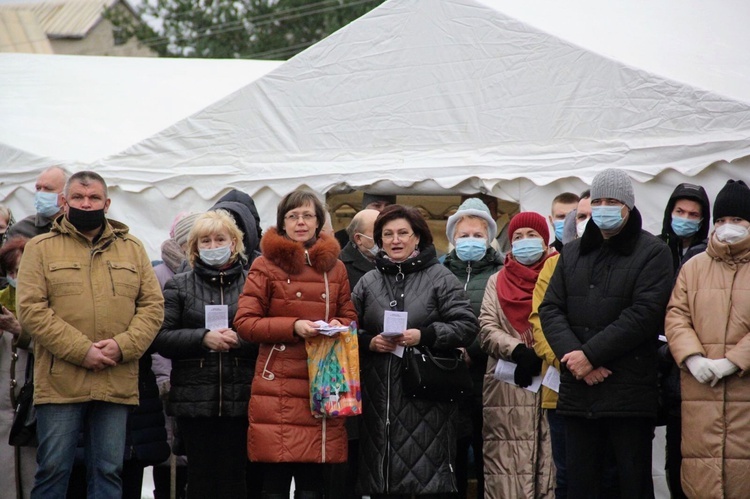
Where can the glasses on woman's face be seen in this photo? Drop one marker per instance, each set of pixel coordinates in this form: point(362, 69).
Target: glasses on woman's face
point(401, 235)
point(293, 217)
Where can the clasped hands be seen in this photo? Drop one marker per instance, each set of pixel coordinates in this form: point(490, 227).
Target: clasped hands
point(102, 354)
point(705, 370)
point(221, 340)
point(578, 364)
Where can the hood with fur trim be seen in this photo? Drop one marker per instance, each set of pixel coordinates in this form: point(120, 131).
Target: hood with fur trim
point(290, 256)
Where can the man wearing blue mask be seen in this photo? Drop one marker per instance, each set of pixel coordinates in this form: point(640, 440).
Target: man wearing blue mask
point(602, 314)
point(685, 230)
point(48, 202)
point(562, 205)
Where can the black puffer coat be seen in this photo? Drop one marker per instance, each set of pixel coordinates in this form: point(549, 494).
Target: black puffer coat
point(409, 445)
point(204, 383)
point(608, 298)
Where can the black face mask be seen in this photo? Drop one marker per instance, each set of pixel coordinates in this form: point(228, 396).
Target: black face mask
point(85, 221)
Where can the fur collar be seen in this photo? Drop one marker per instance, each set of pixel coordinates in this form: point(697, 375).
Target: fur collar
point(289, 255)
point(623, 242)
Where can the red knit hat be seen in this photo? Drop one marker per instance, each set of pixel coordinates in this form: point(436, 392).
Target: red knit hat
point(531, 220)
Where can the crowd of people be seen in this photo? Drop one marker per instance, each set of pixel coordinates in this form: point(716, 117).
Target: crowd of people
point(197, 364)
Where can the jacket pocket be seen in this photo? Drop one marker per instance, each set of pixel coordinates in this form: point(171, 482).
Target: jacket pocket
point(125, 279)
point(65, 278)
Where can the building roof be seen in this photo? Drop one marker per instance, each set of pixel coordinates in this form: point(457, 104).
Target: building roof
point(66, 19)
point(20, 31)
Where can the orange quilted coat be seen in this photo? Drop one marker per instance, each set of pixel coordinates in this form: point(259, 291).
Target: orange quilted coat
point(282, 287)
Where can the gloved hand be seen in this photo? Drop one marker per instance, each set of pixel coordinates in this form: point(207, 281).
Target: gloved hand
point(700, 368)
point(528, 365)
point(722, 368)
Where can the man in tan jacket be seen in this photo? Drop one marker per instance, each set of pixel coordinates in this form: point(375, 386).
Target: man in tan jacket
point(90, 300)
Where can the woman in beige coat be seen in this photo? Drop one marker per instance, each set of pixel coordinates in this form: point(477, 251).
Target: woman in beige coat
point(517, 448)
point(708, 329)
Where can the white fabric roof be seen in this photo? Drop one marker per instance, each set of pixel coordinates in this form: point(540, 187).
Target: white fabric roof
point(431, 96)
point(77, 109)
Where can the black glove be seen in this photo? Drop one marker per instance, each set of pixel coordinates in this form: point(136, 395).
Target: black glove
point(528, 365)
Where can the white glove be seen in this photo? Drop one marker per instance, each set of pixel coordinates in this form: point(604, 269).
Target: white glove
point(722, 368)
point(700, 368)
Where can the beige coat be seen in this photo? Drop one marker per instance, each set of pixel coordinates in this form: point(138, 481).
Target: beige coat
point(709, 314)
point(73, 293)
point(517, 450)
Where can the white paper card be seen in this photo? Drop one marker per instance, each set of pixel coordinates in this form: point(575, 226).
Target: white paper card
point(552, 379)
point(394, 323)
point(217, 317)
point(504, 372)
point(399, 351)
point(324, 328)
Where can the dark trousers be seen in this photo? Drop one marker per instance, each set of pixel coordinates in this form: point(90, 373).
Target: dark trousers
point(557, 441)
point(343, 476)
point(132, 480)
point(587, 445)
point(216, 450)
point(309, 478)
point(674, 456)
point(163, 482)
point(473, 442)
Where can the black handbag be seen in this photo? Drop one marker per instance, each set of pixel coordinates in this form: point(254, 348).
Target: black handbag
point(438, 376)
point(23, 429)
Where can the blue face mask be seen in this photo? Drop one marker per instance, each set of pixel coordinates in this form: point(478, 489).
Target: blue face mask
point(559, 224)
point(607, 217)
point(471, 249)
point(11, 281)
point(685, 227)
point(215, 257)
point(528, 251)
point(46, 203)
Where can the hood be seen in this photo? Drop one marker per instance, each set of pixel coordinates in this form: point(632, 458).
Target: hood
point(242, 198)
point(245, 218)
point(694, 193)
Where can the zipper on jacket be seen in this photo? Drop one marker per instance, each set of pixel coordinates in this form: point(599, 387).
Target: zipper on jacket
point(111, 277)
point(307, 258)
point(386, 465)
point(323, 452)
point(221, 366)
point(468, 275)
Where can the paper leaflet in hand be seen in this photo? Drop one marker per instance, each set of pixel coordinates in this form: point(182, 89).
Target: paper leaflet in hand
point(333, 370)
point(324, 328)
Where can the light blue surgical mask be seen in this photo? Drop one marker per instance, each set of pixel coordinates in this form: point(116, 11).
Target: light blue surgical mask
point(685, 227)
point(528, 251)
point(471, 249)
point(11, 282)
point(215, 257)
point(559, 224)
point(46, 203)
point(607, 217)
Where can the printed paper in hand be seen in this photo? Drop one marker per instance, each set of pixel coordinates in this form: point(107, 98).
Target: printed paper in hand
point(552, 379)
point(324, 328)
point(394, 323)
point(504, 372)
point(217, 317)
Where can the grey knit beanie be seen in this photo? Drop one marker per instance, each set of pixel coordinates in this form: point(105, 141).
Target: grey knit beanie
point(472, 206)
point(613, 184)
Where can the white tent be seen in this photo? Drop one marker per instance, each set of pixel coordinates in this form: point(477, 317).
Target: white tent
point(454, 96)
point(73, 110)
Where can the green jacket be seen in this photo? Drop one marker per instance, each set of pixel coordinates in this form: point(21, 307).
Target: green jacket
point(73, 293)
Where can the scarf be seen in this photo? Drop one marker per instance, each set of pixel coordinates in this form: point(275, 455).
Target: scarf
point(515, 289)
point(172, 255)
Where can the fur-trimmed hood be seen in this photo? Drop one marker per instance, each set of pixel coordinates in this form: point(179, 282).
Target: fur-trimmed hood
point(289, 255)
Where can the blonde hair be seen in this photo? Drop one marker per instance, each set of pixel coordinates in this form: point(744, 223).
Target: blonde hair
point(213, 222)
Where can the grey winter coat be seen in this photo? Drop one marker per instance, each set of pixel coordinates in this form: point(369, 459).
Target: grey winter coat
point(408, 445)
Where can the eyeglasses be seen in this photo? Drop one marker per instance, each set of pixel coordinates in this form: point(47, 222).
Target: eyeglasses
point(401, 236)
point(305, 216)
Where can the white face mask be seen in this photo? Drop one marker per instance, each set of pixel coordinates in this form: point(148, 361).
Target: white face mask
point(731, 233)
point(581, 227)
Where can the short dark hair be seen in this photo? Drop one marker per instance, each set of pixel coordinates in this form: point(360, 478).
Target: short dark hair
point(85, 178)
point(10, 251)
point(295, 199)
point(412, 215)
point(585, 194)
point(566, 198)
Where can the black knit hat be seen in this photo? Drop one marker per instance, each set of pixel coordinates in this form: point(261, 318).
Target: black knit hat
point(733, 200)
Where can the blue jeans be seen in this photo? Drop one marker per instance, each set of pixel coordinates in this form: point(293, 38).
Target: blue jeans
point(58, 427)
point(557, 440)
